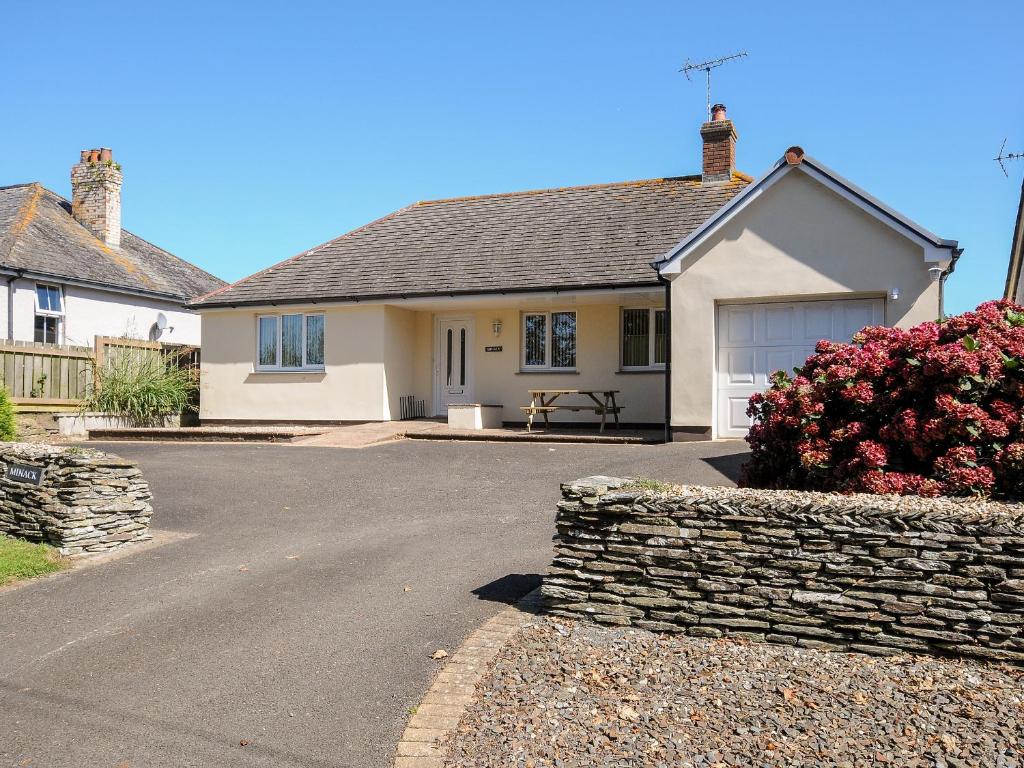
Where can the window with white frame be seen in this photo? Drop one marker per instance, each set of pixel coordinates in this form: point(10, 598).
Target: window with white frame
point(290, 342)
point(644, 335)
point(549, 341)
point(49, 312)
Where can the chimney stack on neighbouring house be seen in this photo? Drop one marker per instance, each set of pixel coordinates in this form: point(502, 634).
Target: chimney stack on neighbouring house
point(719, 146)
point(96, 195)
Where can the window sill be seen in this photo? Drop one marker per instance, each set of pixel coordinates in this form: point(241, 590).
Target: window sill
point(631, 371)
point(547, 372)
point(278, 371)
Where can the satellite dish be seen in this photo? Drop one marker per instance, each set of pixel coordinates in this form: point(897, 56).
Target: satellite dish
point(161, 320)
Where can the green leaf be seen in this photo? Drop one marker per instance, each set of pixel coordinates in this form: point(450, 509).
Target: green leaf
point(1016, 319)
point(914, 362)
point(970, 343)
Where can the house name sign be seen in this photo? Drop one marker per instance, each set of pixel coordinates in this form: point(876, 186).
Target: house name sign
point(22, 473)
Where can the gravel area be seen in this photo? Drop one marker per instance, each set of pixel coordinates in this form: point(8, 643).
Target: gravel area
point(567, 694)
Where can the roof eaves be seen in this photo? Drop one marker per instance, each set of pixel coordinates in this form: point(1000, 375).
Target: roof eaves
point(228, 304)
point(33, 274)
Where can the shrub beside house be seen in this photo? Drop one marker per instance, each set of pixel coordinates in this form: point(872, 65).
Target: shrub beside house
point(932, 410)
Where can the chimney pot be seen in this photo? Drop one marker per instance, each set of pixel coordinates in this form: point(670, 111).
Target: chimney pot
point(718, 112)
point(96, 195)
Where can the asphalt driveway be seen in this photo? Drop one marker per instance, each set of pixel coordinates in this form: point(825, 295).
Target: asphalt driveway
point(298, 603)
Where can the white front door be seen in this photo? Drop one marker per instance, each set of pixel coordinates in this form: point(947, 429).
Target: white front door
point(755, 340)
point(454, 358)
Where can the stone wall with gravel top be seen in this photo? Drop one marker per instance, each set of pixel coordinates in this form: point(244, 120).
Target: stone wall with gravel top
point(875, 574)
point(87, 501)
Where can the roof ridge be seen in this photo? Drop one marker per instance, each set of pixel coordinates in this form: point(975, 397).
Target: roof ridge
point(307, 252)
point(571, 188)
point(16, 186)
point(26, 212)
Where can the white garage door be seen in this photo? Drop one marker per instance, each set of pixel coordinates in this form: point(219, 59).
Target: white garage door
point(754, 340)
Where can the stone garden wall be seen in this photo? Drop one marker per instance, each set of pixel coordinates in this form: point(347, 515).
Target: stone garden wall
point(875, 574)
point(85, 500)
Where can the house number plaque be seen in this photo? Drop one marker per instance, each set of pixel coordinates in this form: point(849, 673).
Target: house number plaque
point(492, 349)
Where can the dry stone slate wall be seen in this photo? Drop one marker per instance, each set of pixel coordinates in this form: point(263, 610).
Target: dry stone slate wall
point(87, 501)
point(875, 574)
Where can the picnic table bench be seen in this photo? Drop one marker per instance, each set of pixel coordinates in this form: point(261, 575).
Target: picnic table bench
point(542, 401)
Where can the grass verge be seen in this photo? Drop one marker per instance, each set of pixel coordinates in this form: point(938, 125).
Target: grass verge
point(25, 560)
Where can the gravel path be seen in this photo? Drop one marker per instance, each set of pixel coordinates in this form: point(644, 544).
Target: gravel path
point(576, 694)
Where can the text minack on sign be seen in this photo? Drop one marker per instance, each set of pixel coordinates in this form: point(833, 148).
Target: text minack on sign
point(23, 473)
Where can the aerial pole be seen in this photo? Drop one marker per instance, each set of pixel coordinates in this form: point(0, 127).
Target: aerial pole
point(707, 66)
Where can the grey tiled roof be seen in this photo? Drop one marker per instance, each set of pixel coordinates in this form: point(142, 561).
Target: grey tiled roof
point(39, 235)
point(572, 237)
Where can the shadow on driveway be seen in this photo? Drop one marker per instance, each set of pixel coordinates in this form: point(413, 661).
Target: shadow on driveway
point(508, 589)
point(728, 464)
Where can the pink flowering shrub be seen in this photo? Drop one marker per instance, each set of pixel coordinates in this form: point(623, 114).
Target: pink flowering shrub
point(934, 410)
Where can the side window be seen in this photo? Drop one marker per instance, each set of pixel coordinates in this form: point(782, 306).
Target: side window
point(49, 314)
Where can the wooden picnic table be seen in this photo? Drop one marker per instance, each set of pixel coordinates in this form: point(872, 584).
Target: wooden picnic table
point(542, 401)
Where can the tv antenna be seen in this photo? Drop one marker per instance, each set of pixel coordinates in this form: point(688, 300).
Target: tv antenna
point(707, 66)
point(1007, 156)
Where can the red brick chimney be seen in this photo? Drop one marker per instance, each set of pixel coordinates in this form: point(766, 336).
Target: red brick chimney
point(719, 146)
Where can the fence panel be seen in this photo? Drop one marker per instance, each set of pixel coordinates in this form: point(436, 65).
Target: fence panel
point(46, 374)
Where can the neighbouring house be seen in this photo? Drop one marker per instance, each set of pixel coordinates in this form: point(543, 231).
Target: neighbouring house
point(70, 273)
point(1014, 289)
point(682, 293)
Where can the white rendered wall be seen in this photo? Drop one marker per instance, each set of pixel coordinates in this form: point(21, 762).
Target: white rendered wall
point(90, 312)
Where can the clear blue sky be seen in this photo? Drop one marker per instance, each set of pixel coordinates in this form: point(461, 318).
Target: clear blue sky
point(249, 132)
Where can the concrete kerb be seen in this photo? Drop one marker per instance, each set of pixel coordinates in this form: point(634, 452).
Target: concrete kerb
point(444, 703)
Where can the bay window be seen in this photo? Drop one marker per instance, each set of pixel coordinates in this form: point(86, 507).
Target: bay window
point(644, 336)
point(290, 342)
point(549, 341)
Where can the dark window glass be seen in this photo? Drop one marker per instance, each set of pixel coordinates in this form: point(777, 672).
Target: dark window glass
point(635, 337)
point(314, 339)
point(291, 341)
point(535, 340)
point(563, 339)
point(660, 336)
point(46, 329)
point(268, 341)
point(448, 359)
point(462, 357)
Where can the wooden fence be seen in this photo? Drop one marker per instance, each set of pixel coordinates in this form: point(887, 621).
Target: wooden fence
point(61, 376)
